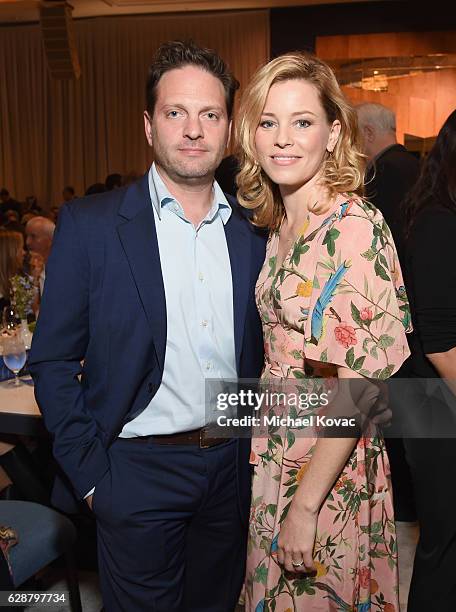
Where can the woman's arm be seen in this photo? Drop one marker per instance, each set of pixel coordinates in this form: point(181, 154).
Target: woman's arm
point(297, 536)
point(364, 337)
point(433, 278)
point(445, 364)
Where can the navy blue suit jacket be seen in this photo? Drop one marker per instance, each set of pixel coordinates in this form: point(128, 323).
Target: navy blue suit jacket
point(104, 303)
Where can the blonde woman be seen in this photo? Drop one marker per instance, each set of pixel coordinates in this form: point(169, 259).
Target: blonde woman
point(332, 303)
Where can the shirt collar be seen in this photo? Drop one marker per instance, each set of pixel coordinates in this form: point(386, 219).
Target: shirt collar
point(161, 197)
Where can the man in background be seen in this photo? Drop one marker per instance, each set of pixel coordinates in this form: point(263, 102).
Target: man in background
point(226, 173)
point(113, 181)
point(391, 169)
point(39, 233)
point(11, 222)
point(68, 193)
point(7, 203)
point(391, 172)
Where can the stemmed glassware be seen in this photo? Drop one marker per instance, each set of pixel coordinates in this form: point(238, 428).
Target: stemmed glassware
point(14, 355)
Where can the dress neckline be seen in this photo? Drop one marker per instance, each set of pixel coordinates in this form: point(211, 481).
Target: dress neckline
point(339, 200)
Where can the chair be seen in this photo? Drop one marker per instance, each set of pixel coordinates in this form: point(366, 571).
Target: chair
point(20, 466)
point(44, 535)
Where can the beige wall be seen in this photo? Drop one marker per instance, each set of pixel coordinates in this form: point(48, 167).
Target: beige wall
point(54, 133)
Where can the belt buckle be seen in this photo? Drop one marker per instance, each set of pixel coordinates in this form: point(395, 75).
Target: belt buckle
point(201, 439)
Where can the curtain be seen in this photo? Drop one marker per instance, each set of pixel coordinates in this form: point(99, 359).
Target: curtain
point(56, 133)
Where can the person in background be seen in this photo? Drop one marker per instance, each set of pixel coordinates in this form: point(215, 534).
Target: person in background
point(16, 466)
point(431, 282)
point(226, 173)
point(311, 545)
point(31, 206)
point(7, 203)
point(54, 213)
point(39, 233)
point(152, 286)
point(11, 261)
point(130, 177)
point(12, 223)
point(95, 188)
point(68, 193)
point(391, 171)
point(113, 181)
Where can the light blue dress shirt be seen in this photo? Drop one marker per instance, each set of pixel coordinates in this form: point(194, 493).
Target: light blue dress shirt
point(197, 279)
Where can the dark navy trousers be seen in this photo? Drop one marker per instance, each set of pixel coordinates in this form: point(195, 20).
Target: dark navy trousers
point(170, 536)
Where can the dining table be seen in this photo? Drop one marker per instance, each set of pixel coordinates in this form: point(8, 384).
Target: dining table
point(19, 412)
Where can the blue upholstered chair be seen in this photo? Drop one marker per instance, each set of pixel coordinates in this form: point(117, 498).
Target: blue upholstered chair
point(43, 536)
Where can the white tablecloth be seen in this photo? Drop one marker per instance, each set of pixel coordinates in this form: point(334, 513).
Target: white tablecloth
point(18, 400)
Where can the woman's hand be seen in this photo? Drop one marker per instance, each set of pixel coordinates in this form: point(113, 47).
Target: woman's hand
point(296, 539)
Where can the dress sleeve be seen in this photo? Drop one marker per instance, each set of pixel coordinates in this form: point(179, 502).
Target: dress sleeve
point(432, 276)
point(359, 311)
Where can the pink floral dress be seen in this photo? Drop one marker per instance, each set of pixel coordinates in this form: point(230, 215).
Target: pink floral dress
point(337, 299)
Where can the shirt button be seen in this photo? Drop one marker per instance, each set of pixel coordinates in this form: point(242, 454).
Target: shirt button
point(201, 276)
point(204, 323)
point(208, 365)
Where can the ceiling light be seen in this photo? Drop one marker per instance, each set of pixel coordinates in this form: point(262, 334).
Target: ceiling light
point(378, 82)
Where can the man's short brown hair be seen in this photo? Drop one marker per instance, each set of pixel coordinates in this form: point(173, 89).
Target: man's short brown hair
point(177, 54)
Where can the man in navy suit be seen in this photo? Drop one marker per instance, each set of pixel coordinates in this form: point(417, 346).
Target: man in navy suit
point(152, 287)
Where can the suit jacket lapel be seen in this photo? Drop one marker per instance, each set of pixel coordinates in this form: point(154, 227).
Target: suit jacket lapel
point(138, 236)
point(238, 241)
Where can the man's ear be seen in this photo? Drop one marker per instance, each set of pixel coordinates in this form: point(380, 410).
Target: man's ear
point(148, 127)
point(369, 133)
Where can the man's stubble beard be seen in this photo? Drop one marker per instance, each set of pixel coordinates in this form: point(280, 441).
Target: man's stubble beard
point(180, 169)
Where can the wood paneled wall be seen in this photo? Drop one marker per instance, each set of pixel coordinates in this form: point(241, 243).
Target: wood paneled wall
point(422, 102)
point(364, 46)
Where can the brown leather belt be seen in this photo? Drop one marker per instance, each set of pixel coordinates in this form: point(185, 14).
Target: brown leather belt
point(196, 437)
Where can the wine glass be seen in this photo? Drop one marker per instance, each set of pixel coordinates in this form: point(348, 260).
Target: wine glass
point(14, 355)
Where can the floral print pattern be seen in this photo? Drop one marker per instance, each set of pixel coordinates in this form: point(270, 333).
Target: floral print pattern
point(336, 299)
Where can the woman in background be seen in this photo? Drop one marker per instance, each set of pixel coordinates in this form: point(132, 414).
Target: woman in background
point(11, 262)
point(16, 466)
point(333, 306)
point(431, 282)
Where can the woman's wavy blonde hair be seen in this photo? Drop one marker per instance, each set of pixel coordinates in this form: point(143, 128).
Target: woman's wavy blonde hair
point(343, 169)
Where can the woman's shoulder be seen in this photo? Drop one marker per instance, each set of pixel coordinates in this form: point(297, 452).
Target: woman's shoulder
point(355, 211)
point(363, 208)
point(359, 226)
